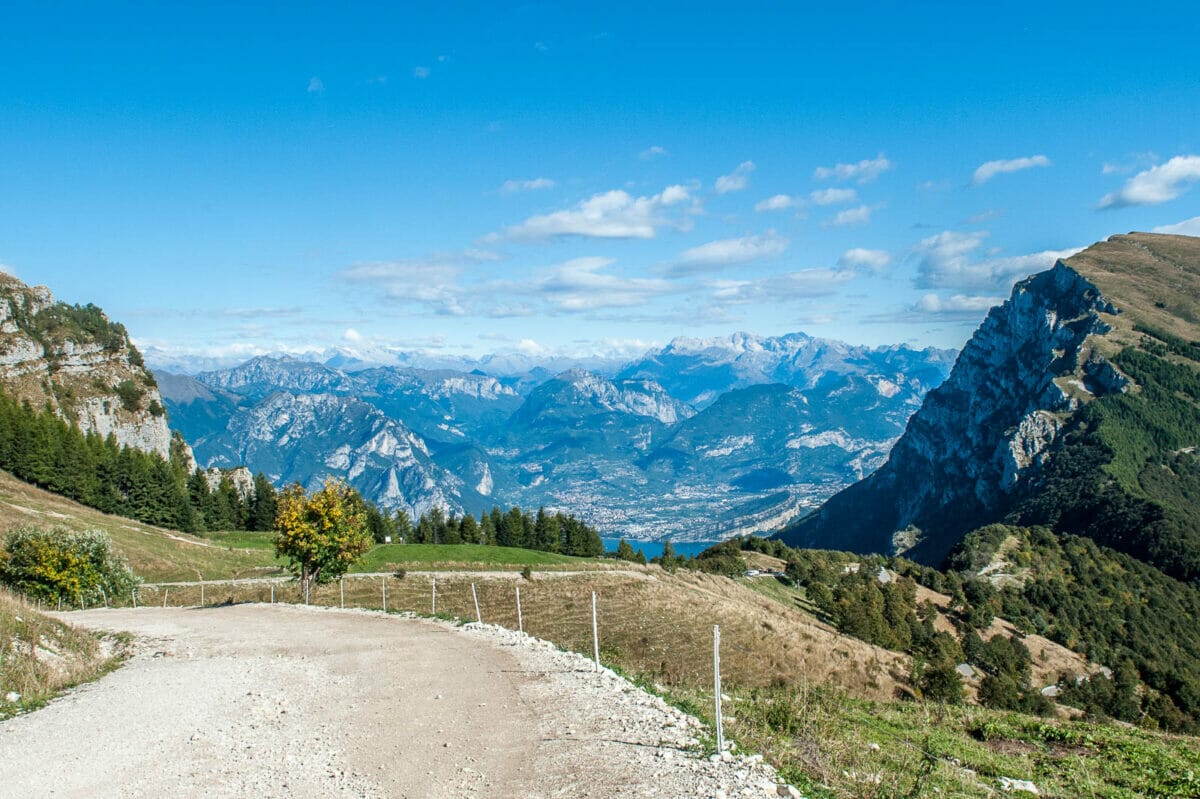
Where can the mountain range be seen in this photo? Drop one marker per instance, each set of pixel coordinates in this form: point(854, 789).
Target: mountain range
point(698, 440)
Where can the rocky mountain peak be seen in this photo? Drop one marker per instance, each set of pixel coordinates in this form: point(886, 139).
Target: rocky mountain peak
point(81, 364)
point(1031, 364)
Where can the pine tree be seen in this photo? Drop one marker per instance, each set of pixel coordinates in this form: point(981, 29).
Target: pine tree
point(402, 526)
point(469, 530)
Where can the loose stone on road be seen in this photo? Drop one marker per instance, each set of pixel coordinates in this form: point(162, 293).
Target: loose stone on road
point(284, 701)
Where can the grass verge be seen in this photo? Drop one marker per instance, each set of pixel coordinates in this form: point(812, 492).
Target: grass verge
point(41, 657)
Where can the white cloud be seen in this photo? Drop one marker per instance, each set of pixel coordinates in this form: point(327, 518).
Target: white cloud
point(611, 215)
point(851, 216)
point(781, 287)
point(860, 258)
point(533, 184)
point(950, 260)
point(736, 180)
point(987, 171)
point(955, 305)
point(780, 202)
point(725, 252)
point(1132, 163)
point(1157, 184)
point(1188, 227)
point(984, 216)
point(352, 335)
point(432, 283)
point(421, 72)
point(6, 269)
point(315, 85)
point(833, 196)
point(653, 152)
point(864, 171)
point(579, 284)
point(452, 286)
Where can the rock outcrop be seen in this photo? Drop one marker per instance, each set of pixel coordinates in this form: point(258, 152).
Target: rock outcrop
point(986, 430)
point(80, 364)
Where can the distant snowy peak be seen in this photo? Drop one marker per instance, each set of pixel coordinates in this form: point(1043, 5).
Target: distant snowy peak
point(734, 345)
point(698, 371)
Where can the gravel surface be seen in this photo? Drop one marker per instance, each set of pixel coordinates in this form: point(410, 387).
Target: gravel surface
point(285, 701)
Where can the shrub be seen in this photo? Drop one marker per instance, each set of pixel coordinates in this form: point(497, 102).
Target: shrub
point(63, 564)
point(131, 396)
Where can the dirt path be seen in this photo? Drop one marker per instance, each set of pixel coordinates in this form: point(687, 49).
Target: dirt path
point(284, 701)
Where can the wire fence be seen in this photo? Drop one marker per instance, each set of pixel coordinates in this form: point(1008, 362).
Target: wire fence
point(659, 629)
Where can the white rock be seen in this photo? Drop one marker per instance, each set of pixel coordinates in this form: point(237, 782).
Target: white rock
point(13, 697)
point(1009, 785)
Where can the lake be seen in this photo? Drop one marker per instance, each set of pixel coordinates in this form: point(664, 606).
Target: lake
point(653, 549)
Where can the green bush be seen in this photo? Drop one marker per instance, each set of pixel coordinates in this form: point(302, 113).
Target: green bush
point(131, 396)
point(64, 564)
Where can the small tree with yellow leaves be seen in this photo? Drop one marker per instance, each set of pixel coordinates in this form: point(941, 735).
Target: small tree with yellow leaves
point(323, 534)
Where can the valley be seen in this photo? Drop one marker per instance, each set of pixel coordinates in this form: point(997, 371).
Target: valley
point(701, 440)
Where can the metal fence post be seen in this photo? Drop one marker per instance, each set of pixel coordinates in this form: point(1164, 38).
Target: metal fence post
point(717, 685)
point(595, 633)
point(520, 618)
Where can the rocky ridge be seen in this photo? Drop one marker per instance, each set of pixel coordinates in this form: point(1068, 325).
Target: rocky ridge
point(80, 364)
point(982, 440)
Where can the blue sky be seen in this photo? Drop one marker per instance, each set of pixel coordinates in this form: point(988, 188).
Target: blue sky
point(235, 178)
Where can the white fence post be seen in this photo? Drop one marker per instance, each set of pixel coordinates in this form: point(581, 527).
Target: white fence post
point(342, 590)
point(165, 592)
point(201, 593)
point(383, 582)
point(433, 612)
point(104, 594)
point(520, 618)
point(595, 633)
point(133, 594)
point(717, 685)
point(478, 615)
point(272, 593)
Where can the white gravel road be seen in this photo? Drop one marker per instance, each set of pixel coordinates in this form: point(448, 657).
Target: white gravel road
point(268, 701)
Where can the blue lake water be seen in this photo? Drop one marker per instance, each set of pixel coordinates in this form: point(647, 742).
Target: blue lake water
point(653, 549)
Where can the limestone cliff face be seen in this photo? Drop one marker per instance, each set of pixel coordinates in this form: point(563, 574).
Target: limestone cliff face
point(311, 437)
point(80, 363)
point(986, 429)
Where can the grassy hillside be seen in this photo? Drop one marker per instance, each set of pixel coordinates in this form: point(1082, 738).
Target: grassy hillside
point(40, 656)
point(159, 555)
point(1154, 278)
point(1101, 602)
point(154, 553)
